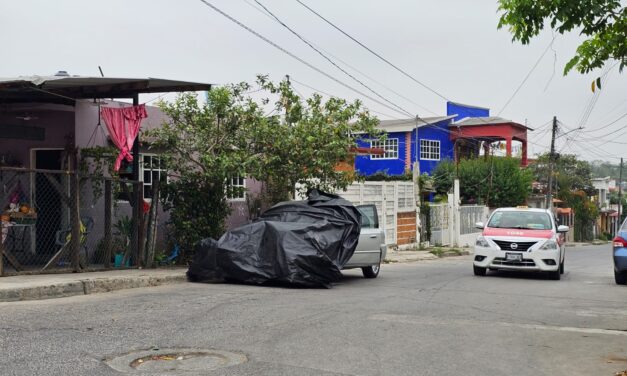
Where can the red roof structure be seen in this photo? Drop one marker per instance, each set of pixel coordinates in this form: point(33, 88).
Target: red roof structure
point(490, 129)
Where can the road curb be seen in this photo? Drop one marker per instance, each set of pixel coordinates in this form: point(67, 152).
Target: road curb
point(86, 287)
point(414, 256)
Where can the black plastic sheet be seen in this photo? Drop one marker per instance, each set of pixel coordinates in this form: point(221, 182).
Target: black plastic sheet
point(301, 243)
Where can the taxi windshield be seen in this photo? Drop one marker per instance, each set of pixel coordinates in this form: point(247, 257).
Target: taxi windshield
point(521, 220)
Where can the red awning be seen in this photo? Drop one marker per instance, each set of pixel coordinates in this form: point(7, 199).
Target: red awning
point(367, 151)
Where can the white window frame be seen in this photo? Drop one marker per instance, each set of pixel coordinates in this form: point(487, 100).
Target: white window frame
point(161, 171)
point(242, 185)
point(427, 149)
point(386, 146)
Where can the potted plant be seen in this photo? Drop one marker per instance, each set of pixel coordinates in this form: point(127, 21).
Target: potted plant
point(123, 231)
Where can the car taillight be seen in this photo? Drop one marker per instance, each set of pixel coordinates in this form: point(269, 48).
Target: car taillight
point(619, 242)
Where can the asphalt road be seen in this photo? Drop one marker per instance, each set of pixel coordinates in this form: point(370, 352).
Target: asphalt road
point(426, 318)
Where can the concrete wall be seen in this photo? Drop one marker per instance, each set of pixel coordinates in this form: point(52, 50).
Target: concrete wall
point(439, 132)
point(57, 120)
point(463, 111)
point(366, 165)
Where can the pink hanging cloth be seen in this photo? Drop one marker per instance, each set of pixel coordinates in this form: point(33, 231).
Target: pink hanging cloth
point(123, 125)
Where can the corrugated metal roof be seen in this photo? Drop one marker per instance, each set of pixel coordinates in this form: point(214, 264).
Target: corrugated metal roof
point(486, 120)
point(45, 88)
point(407, 125)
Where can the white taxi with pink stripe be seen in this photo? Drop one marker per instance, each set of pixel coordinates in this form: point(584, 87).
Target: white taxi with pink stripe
point(520, 239)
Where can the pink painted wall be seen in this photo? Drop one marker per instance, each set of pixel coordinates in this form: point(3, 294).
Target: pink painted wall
point(78, 125)
point(58, 121)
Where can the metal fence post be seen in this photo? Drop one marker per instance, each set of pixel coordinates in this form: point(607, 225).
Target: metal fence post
point(76, 222)
point(141, 233)
point(108, 214)
point(151, 234)
point(1, 250)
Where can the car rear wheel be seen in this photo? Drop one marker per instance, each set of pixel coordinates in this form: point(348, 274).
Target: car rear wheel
point(371, 271)
point(479, 270)
point(620, 277)
point(562, 267)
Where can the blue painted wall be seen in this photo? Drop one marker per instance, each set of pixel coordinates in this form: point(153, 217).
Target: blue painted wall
point(463, 111)
point(365, 165)
point(438, 131)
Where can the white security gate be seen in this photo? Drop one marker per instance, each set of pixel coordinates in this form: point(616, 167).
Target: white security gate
point(390, 198)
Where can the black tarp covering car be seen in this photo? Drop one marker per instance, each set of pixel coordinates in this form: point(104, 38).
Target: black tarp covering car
point(300, 243)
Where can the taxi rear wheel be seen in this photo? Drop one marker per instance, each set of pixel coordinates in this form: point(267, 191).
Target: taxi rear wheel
point(479, 270)
point(620, 277)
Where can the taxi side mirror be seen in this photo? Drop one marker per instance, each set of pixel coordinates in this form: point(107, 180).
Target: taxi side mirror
point(562, 228)
point(479, 225)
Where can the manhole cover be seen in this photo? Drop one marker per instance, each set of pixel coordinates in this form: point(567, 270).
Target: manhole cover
point(166, 361)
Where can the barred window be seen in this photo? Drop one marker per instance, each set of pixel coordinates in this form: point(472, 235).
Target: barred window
point(390, 146)
point(236, 188)
point(152, 168)
point(430, 150)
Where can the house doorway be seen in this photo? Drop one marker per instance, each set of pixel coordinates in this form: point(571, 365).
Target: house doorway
point(47, 200)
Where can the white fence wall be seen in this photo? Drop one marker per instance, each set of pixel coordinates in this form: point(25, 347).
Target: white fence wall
point(390, 198)
point(440, 224)
point(469, 215)
point(443, 228)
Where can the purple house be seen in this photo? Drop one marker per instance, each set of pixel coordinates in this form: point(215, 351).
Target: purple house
point(44, 122)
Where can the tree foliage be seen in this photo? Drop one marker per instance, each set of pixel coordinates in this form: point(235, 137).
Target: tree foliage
point(495, 181)
point(603, 22)
point(569, 173)
point(205, 145)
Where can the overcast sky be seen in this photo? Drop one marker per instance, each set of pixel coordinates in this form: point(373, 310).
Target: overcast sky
point(452, 46)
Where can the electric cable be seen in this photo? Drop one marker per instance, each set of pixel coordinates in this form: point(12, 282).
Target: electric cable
point(304, 62)
point(329, 59)
point(373, 52)
point(526, 77)
point(352, 67)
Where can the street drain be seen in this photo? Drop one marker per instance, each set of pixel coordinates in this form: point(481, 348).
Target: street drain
point(164, 361)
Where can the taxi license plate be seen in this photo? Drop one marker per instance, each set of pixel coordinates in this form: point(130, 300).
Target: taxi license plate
point(513, 256)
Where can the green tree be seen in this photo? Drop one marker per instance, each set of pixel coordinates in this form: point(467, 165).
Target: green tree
point(204, 145)
point(303, 144)
point(569, 173)
point(495, 181)
point(603, 22)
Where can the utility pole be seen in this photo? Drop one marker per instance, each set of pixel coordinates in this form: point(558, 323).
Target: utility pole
point(549, 203)
point(620, 197)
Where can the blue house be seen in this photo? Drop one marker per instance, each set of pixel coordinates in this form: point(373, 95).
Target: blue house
point(424, 140)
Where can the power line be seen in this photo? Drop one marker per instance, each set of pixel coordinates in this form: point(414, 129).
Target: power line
point(352, 67)
point(295, 57)
point(526, 77)
point(609, 124)
point(373, 52)
point(335, 96)
point(329, 59)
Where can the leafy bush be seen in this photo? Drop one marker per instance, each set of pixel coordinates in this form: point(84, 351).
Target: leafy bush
point(495, 181)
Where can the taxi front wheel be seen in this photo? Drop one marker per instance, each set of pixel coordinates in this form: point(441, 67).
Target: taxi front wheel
point(479, 270)
point(556, 275)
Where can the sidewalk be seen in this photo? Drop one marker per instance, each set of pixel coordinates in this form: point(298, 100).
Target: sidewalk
point(48, 286)
point(412, 256)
